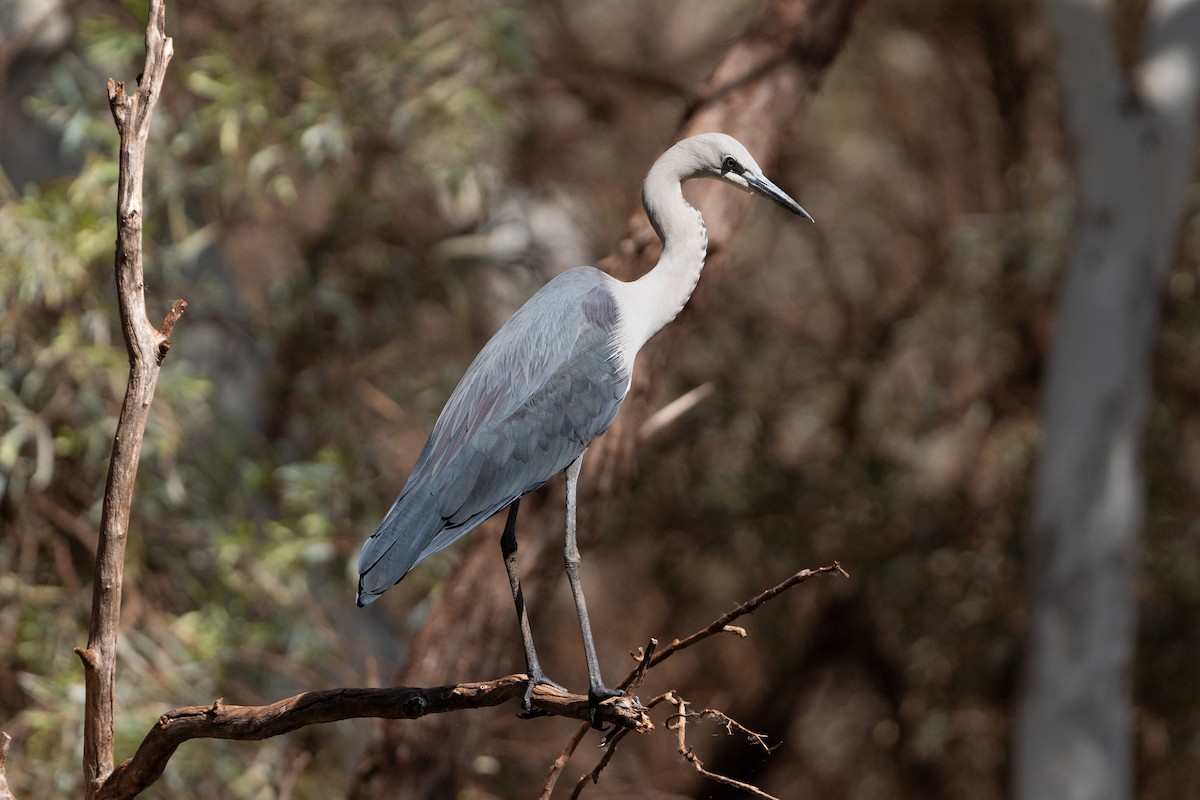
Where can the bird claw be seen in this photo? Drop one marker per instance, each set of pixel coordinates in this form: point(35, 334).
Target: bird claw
point(538, 677)
point(596, 696)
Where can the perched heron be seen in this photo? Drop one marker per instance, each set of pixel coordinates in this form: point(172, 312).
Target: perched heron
point(548, 383)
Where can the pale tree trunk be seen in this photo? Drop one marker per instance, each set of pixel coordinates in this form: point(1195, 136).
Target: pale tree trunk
point(1133, 139)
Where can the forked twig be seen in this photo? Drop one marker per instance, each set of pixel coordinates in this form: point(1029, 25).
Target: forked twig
point(679, 723)
point(643, 657)
point(647, 659)
point(609, 743)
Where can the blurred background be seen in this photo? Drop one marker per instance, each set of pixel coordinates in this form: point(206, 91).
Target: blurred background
point(353, 196)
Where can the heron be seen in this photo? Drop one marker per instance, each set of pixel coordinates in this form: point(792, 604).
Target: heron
point(545, 386)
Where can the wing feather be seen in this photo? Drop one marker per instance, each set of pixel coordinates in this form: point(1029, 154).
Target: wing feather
point(540, 390)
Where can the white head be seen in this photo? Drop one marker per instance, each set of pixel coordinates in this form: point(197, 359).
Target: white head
point(720, 156)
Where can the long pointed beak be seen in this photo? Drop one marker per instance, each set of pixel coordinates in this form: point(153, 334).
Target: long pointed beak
point(760, 185)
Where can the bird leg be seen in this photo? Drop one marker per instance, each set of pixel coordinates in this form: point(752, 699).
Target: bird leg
point(597, 691)
point(508, 546)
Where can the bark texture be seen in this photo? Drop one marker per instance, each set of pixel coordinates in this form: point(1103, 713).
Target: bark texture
point(245, 723)
point(1133, 145)
point(147, 344)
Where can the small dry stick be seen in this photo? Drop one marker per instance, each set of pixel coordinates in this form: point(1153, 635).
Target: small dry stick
point(609, 743)
point(643, 659)
point(560, 763)
point(732, 726)
point(679, 721)
point(722, 624)
point(594, 776)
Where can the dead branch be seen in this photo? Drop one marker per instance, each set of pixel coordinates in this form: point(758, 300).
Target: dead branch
point(722, 624)
point(678, 723)
point(560, 763)
point(220, 721)
point(643, 657)
point(609, 743)
point(146, 344)
point(732, 726)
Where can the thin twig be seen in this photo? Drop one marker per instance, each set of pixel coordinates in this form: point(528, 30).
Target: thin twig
point(594, 775)
point(168, 326)
point(560, 763)
point(670, 413)
point(722, 624)
point(643, 659)
point(609, 743)
point(679, 721)
point(731, 726)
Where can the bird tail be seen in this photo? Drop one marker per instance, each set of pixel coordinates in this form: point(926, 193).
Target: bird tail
point(398, 544)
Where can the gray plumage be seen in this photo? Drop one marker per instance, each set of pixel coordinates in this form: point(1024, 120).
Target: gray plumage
point(549, 382)
point(518, 417)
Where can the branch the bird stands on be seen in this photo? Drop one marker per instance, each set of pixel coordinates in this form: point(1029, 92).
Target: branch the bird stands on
point(251, 723)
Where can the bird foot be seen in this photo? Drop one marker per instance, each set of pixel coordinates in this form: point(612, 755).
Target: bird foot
point(596, 696)
point(537, 677)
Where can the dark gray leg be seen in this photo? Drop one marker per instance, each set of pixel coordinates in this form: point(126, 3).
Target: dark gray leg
point(508, 546)
point(597, 691)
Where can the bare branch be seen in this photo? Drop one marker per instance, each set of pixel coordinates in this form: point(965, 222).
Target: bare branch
point(220, 721)
point(168, 326)
point(610, 749)
point(669, 414)
point(560, 763)
point(609, 743)
point(722, 623)
point(644, 657)
point(146, 345)
point(732, 726)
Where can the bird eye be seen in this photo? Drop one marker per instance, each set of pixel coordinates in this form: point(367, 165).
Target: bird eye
point(730, 164)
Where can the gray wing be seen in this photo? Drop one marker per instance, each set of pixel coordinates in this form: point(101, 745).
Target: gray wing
point(549, 381)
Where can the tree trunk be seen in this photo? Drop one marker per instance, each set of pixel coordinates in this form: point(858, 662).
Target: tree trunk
point(1133, 148)
point(754, 94)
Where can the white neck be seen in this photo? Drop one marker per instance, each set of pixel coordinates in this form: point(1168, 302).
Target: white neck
point(652, 301)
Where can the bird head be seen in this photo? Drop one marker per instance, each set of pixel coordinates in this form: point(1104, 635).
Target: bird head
point(720, 156)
